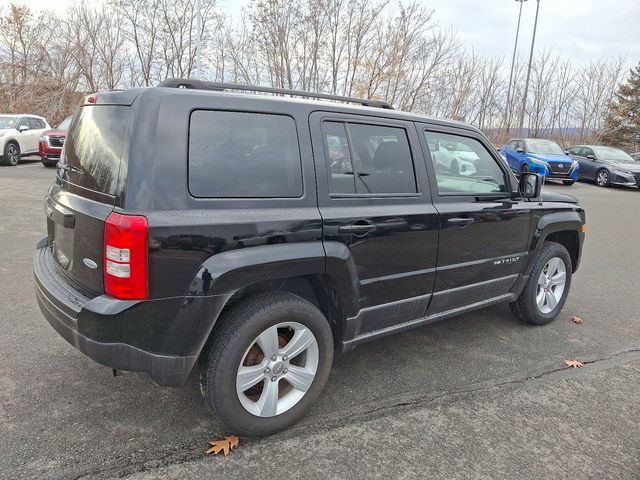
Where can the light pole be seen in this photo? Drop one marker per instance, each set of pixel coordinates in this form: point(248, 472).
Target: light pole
point(526, 84)
point(198, 37)
point(507, 111)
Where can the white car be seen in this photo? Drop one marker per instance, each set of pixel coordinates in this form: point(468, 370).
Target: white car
point(19, 135)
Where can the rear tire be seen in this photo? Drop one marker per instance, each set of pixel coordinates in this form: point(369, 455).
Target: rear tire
point(244, 345)
point(568, 182)
point(546, 291)
point(11, 154)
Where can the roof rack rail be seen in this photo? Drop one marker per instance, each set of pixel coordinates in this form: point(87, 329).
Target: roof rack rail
point(222, 86)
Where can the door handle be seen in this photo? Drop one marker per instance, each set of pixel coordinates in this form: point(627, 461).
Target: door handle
point(358, 228)
point(460, 222)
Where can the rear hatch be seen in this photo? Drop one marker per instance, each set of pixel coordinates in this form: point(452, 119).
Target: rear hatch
point(90, 173)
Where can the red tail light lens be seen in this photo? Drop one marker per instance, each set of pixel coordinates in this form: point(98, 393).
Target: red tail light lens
point(125, 256)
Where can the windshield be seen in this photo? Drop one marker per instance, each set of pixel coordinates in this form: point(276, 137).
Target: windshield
point(544, 147)
point(614, 154)
point(64, 124)
point(7, 122)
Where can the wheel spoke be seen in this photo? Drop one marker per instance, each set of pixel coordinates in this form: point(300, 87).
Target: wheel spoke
point(542, 279)
point(553, 266)
point(268, 341)
point(551, 300)
point(249, 376)
point(558, 278)
point(302, 339)
point(299, 378)
point(540, 298)
point(268, 402)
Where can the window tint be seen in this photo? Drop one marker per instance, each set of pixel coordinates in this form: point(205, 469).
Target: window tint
point(35, 123)
point(237, 154)
point(463, 165)
point(22, 122)
point(368, 159)
point(94, 146)
point(342, 179)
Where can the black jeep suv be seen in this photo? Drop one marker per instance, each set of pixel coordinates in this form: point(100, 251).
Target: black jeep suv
point(253, 236)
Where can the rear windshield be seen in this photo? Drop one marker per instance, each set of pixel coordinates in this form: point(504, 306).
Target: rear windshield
point(93, 149)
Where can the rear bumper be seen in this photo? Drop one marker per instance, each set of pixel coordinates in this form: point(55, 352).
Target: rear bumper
point(159, 338)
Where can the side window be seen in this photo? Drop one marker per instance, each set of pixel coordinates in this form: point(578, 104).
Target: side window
point(513, 144)
point(243, 155)
point(520, 145)
point(577, 151)
point(463, 165)
point(22, 122)
point(368, 159)
point(35, 123)
point(341, 177)
point(586, 151)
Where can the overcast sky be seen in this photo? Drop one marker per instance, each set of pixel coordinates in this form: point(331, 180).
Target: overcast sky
point(578, 29)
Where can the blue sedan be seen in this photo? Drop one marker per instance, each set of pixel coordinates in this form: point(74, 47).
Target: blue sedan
point(543, 157)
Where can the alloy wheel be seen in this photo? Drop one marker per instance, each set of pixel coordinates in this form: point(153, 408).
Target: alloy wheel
point(551, 283)
point(277, 369)
point(12, 154)
point(602, 179)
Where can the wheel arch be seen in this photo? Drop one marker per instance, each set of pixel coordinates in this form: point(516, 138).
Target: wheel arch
point(322, 274)
point(564, 228)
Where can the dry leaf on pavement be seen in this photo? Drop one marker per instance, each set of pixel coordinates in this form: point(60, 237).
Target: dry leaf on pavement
point(572, 363)
point(577, 320)
point(225, 445)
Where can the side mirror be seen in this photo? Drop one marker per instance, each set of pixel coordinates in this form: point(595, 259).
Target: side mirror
point(530, 185)
point(566, 152)
point(520, 150)
point(591, 157)
point(23, 128)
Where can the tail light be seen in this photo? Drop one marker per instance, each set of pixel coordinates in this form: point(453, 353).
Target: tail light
point(125, 256)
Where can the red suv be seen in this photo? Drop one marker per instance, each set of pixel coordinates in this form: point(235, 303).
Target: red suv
point(51, 142)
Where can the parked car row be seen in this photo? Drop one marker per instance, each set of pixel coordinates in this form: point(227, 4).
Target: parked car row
point(26, 134)
point(601, 164)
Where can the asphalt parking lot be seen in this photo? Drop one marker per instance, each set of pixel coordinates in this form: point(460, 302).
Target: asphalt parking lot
point(479, 396)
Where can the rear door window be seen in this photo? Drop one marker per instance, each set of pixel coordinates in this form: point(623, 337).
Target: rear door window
point(368, 159)
point(243, 155)
point(36, 123)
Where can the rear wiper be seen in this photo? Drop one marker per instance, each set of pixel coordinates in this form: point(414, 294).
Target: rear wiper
point(70, 168)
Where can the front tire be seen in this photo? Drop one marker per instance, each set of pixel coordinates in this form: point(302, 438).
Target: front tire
point(546, 291)
point(267, 363)
point(11, 154)
point(602, 178)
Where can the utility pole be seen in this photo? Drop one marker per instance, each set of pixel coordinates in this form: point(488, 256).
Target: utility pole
point(198, 38)
point(507, 110)
point(526, 85)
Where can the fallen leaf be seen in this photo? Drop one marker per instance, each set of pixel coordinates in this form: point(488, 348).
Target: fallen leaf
point(577, 320)
point(572, 363)
point(225, 445)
